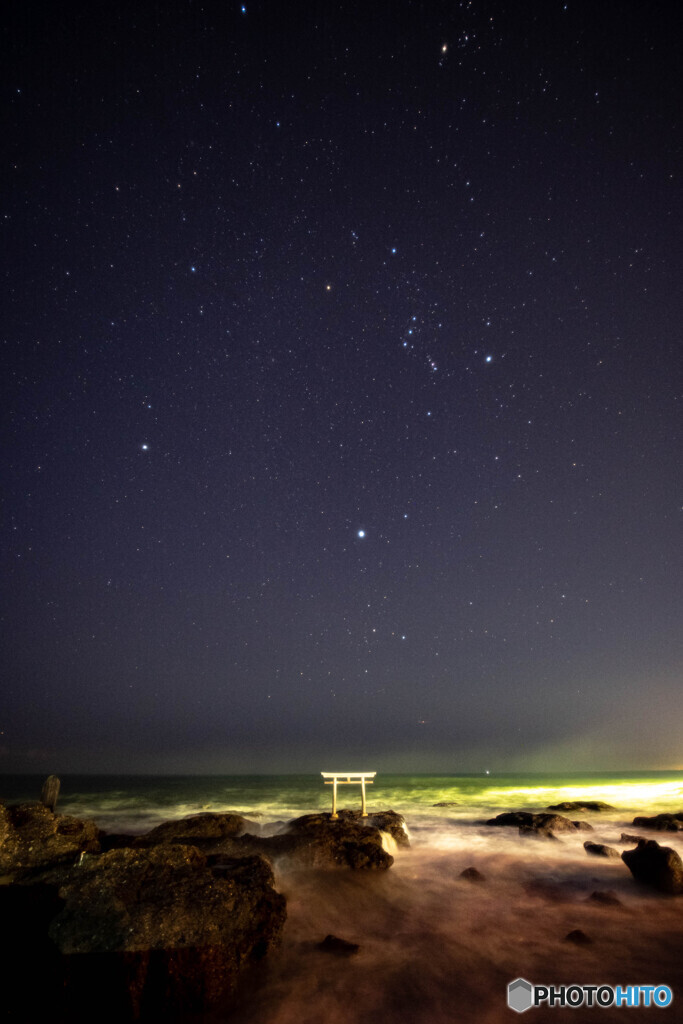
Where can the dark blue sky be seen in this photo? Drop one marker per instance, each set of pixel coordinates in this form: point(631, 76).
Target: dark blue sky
point(341, 386)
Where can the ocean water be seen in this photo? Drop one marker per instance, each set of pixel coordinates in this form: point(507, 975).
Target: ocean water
point(136, 803)
point(435, 948)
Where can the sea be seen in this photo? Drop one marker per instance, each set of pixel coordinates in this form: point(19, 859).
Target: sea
point(136, 803)
point(434, 946)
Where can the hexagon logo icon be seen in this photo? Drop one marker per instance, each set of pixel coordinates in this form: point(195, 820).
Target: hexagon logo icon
point(520, 995)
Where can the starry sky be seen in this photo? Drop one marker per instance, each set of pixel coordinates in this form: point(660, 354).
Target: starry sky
point(341, 386)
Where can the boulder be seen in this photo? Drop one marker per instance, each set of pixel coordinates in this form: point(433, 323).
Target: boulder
point(600, 850)
point(578, 938)
point(340, 947)
point(542, 823)
point(530, 832)
point(472, 875)
point(581, 805)
point(607, 897)
point(447, 803)
point(159, 930)
point(662, 822)
point(199, 830)
point(33, 836)
point(346, 841)
point(655, 865)
point(628, 840)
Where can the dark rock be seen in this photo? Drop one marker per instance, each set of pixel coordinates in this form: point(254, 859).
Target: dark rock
point(472, 875)
point(32, 836)
point(314, 840)
point(600, 850)
point(447, 803)
point(116, 841)
point(529, 832)
point(158, 930)
point(198, 830)
point(578, 937)
point(340, 947)
point(630, 840)
point(662, 822)
point(605, 896)
point(581, 805)
point(539, 823)
point(388, 821)
point(655, 865)
point(344, 841)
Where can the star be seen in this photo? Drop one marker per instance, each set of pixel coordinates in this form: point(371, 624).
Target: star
point(144, 447)
point(361, 534)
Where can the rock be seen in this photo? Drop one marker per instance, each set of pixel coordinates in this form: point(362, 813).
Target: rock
point(198, 830)
point(529, 832)
point(581, 805)
point(600, 850)
point(386, 821)
point(340, 947)
point(655, 865)
point(630, 840)
point(472, 875)
point(314, 840)
point(605, 896)
point(32, 836)
point(541, 823)
point(578, 937)
point(662, 822)
point(446, 803)
point(159, 930)
point(344, 841)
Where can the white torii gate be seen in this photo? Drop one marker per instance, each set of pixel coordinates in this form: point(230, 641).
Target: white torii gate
point(335, 779)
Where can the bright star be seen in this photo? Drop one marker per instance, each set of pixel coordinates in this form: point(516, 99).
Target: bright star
point(145, 447)
point(361, 534)
point(489, 359)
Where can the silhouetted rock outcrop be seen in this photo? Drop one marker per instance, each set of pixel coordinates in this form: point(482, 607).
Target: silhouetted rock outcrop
point(655, 865)
point(340, 947)
point(662, 822)
point(600, 850)
point(472, 875)
point(581, 805)
point(543, 824)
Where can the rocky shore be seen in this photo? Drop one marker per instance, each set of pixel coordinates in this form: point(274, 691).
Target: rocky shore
point(165, 923)
point(169, 924)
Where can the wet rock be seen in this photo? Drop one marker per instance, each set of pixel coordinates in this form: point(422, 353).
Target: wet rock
point(530, 832)
point(340, 947)
point(472, 875)
point(605, 896)
point(581, 805)
point(600, 850)
point(32, 836)
point(628, 840)
point(542, 823)
point(344, 841)
point(199, 830)
point(159, 930)
point(578, 938)
point(656, 866)
point(446, 803)
point(662, 822)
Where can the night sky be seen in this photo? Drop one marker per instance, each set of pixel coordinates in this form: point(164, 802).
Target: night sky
point(341, 386)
